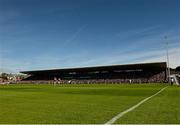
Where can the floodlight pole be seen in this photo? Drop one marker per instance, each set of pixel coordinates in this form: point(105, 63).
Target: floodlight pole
point(167, 55)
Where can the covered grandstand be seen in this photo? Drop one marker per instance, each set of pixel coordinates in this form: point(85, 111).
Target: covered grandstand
point(137, 73)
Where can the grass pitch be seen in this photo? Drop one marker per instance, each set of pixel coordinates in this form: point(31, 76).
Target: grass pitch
point(88, 104)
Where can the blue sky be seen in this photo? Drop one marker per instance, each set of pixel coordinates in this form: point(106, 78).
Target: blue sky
point(47, 34)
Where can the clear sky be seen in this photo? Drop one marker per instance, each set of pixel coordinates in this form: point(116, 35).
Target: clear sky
point(47, 34)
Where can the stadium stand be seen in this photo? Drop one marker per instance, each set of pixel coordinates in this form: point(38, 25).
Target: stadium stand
point(131, 73)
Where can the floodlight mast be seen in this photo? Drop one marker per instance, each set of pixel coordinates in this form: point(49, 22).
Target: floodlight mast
point(167, 55)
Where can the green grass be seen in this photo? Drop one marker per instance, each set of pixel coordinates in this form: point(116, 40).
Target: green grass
point(162, 109)
point(88, 104)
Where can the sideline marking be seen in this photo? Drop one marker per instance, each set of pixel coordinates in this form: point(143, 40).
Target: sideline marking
point(132, 108)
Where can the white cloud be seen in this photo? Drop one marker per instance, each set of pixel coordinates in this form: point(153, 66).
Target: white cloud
point(80, 60)
point(174, 57)
point(142, 49)
point(136, 57)
point(74, 36)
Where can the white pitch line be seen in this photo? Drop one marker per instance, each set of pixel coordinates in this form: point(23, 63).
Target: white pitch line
point(132, 108)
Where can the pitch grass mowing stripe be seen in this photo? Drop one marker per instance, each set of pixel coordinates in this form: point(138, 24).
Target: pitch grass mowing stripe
point(132, 108)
